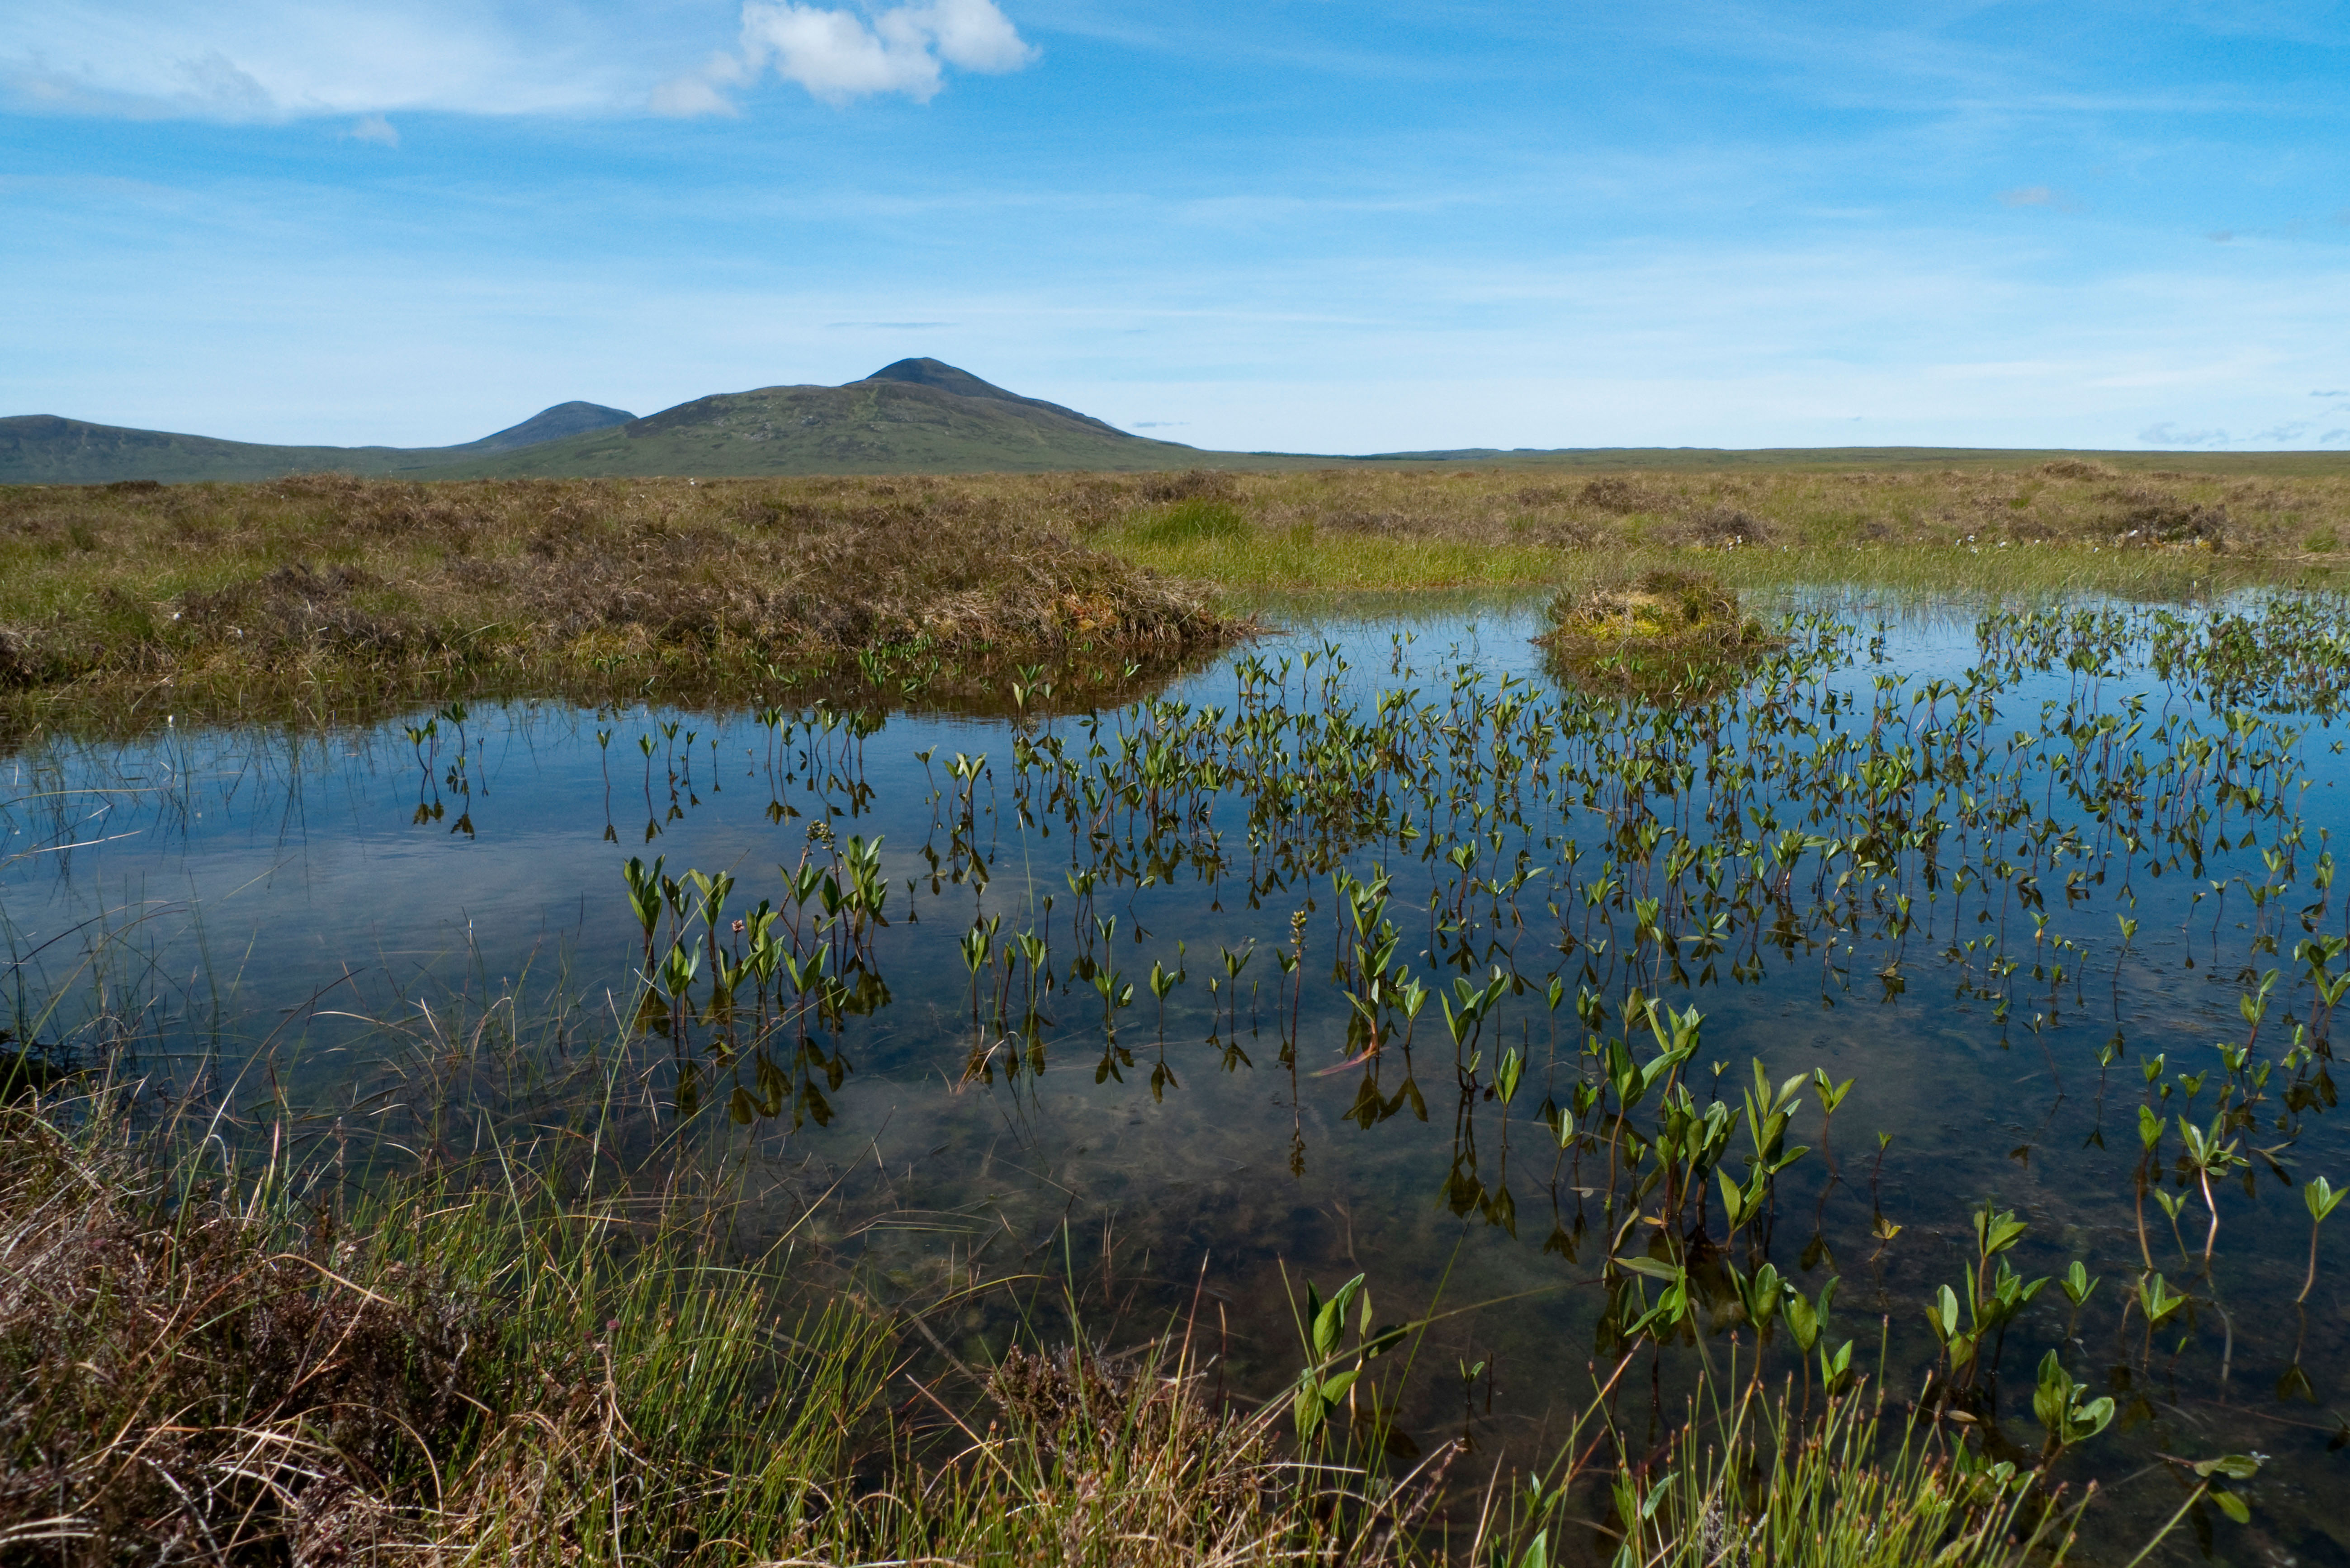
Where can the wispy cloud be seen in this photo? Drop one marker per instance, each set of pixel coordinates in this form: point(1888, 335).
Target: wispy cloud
point(274, 60)
point(887, 325)
point(839, 55)
point(2169, 435)
point(2048, 196)
point(374, 128)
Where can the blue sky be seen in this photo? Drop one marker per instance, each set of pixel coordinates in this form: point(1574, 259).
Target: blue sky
point(1288, 224)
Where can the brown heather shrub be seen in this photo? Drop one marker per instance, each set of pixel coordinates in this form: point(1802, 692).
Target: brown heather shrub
point(1195, 484)
point(1722, 528)
point(379, 580)
point(1620, 495)
point(178, 1383)
point(2144, 519)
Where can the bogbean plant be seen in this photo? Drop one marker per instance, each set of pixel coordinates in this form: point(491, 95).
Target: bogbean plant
point(1550, 866)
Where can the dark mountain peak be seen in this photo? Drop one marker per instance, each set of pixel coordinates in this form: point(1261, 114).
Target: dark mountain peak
point(946, 378)
point(552, 424)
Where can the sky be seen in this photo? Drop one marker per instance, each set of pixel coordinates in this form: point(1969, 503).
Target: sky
point(1277, 224)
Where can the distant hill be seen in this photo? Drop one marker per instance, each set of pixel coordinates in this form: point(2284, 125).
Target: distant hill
point(43, 449)
point(547, 424)
point(916, 416)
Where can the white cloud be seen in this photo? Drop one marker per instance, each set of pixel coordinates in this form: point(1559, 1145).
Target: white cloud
point(977, 37)
point(838, 55)
point(376, 129)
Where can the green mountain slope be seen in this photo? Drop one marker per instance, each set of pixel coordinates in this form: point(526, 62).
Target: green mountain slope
point(43, 449)
point(915, 417)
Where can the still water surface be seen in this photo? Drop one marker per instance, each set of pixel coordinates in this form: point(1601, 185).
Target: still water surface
point(1946, 869)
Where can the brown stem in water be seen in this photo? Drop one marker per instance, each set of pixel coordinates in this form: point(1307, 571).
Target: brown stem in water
point(2212, 1235)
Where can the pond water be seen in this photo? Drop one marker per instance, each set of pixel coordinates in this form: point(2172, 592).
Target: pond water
point(1371, 949)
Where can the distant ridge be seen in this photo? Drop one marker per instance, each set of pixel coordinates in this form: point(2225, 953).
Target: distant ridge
point(911, 416)
point(915, 416)
point(44, 448)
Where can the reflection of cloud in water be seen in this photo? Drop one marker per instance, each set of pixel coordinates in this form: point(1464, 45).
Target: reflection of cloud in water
point(266, 862)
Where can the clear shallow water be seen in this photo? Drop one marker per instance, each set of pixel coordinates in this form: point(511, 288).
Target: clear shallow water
point(330, 922)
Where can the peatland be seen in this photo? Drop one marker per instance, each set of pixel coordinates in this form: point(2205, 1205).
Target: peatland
point(509, 1301)
point(120, 604)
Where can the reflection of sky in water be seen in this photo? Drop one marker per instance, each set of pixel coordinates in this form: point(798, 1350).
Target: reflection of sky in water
point(244, 871)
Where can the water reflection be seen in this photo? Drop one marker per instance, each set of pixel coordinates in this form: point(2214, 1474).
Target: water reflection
point(1378, 948)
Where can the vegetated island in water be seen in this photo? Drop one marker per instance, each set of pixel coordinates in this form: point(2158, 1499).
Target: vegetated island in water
point(124, 602)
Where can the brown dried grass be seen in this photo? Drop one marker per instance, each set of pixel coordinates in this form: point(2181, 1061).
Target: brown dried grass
point(186, 1384)
point(331, 580)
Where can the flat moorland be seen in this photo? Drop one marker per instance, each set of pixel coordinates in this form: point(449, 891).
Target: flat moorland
point(140, 598)
point(2050, 526)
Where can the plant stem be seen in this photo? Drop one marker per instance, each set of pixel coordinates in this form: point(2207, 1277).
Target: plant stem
point(2164, 1533)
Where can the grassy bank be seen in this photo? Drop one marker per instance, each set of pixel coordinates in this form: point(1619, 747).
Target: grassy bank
point(519, 1358)
point(325, 592)
point(2049, 527)
point(322, 591)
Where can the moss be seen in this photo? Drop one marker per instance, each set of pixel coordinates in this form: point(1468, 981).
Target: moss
point(1661, 635)
point(1659, 610)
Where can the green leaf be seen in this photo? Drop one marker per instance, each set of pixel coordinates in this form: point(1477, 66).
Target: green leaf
point(1505, 1076)
point(1655, 1268)
point(1733, 1198)
point(2233, 1506)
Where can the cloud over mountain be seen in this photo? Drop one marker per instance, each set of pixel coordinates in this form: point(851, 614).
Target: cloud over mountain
point(839, 55)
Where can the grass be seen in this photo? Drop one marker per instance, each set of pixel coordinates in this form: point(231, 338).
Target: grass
point(2049, 527)
point(323, 591)
point(516, 1358)
point(326, 590)
point(223, 1365)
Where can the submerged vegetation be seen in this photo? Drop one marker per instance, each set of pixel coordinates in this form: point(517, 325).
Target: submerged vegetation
point(421, 1316)
point(503, 1358)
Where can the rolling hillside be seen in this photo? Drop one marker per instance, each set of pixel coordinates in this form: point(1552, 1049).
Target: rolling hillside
point(43, 449)
point(916, 416)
